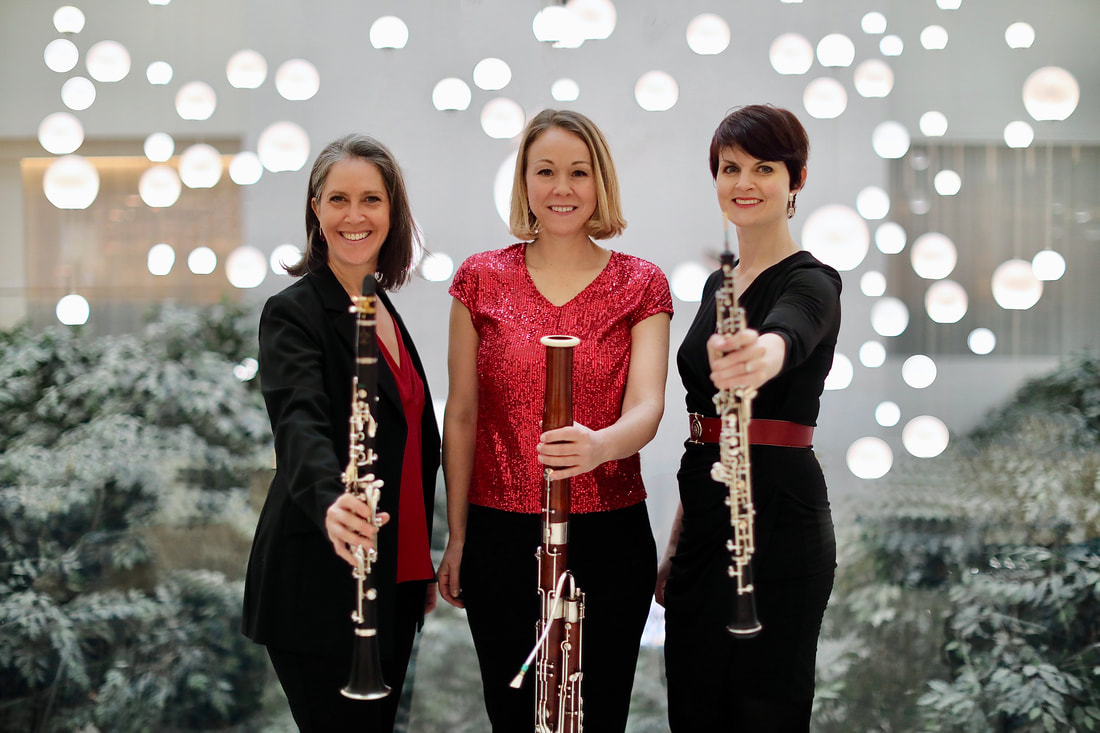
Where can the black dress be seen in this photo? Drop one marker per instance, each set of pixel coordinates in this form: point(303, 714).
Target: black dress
point(717, 682)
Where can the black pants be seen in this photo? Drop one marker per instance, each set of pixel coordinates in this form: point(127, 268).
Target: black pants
point(312, 683)
point(613, 558)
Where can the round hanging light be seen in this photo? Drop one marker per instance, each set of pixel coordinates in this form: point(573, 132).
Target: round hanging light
point(159, 147)
point(872, 283)
point(925, 436)
point(61, 55)
point(891, 45)
point(933, 256)
point(596, 18)
point(945, 301)
point(981, 341)
point(245, 168)
point(887, 414)
point(246, 267)
point(437, 267)
point(790, 54)
point(202, 261)
point(825, 98)
point(1051, 93)
point(869, 458)
point(554, 23)
point(934, 38)
point(196, 101)
point(656, 91)
point(918, 371)
point(160, 186)
point(1019, 35)
point(160, 259)
point(1015, 286)
point(889, 316)
point(451, 93)
point(60, 133)
point(284, 256)
point(78, 93)
point(501, 118)
point(687, 281)
point(890, 140)
point(836, 235)
point(836, 50)
point(283, 146)
point(947, 183)
point(297, 80)
point(68, 19)
point(73, 310)
point(840, 374)
point(948, 4)
point(890, 237)
point(492, 74)
point(873, 203)
point(708, 34)
point(874, 78)
point(200, 166)
point(1048, 265)
point(1018, 134)
point(108, 61)
point(159, 73)
point(246, 69)
point(71, 182)
point(389, 31)
point(933, 124)
point(872, 354)
point(873, 23)
point(565, 90)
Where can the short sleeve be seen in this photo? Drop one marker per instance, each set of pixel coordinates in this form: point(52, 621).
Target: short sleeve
point(655, 296)
point(806, 312)
point(464, 285)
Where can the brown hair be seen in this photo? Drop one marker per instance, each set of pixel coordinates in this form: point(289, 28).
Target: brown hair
point(396, 254)
point(607, 220)
point(765, 132)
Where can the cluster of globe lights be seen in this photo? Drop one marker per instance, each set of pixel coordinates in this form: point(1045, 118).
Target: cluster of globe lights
point(836, 233)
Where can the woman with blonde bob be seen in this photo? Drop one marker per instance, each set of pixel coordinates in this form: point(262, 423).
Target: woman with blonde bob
point(556, 281)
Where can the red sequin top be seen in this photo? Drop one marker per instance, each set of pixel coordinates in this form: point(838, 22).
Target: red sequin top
point(510, 315)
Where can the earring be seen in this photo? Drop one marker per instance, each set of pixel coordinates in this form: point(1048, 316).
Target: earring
point(790, 205)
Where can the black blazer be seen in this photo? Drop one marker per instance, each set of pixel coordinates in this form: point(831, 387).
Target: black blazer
point(299, 594)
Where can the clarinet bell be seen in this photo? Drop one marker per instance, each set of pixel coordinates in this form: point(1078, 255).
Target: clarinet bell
point(366, 681)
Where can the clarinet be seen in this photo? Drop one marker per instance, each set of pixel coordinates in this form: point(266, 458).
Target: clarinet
point(557, 651)
point(734, 408)
point(365, 681)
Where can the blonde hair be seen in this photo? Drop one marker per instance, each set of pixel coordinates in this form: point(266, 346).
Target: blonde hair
point(607, 220)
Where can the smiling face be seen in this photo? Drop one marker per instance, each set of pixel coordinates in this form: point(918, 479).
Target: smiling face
point(751, 191)
point(561, 185)
point(353, 209)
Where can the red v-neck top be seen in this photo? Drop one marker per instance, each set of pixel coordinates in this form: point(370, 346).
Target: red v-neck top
point(510, 315)
point(414, 561)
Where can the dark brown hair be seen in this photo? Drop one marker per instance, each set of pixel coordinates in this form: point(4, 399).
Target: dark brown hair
point(396, 255)
point(607, 220)
point(765, 132)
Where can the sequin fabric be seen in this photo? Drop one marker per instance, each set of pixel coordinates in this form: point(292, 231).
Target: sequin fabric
point(510, 315)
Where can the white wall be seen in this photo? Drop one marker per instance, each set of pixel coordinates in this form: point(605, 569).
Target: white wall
point(450, 163)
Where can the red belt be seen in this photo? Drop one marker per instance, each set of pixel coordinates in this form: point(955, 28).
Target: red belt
point(761, 432)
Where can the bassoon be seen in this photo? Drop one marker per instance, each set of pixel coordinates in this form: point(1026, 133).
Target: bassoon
point(734, 408)
point(365, 682)
point(557, 651)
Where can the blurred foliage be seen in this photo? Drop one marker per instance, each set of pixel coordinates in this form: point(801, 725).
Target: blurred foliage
point(968, 596)
point(113, 451)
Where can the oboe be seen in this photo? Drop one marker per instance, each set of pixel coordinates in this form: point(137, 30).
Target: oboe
point(557, 651)
point(732, 468)
point(366, 681)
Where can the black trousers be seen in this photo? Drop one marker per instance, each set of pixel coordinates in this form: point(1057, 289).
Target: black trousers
point(312, 683)
point(612, 556)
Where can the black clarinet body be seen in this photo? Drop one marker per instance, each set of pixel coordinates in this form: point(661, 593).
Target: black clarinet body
point(734, 408)
point(365, 681)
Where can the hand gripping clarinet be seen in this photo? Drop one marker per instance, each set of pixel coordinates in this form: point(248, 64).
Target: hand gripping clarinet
point(366, 681)
point(557, 651)
point(732, 468)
